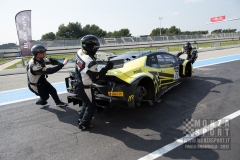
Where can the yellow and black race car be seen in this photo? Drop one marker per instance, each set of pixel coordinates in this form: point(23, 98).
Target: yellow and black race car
point(136, 77)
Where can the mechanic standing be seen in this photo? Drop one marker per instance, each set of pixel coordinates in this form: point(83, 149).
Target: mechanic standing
point(191, 52)
point(37, 72)
point(86, 73)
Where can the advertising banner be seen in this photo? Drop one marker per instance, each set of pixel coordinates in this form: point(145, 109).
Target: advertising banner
point(217, 19)
point(23, 25)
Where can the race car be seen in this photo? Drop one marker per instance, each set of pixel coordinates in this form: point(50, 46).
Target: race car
point(137, 77)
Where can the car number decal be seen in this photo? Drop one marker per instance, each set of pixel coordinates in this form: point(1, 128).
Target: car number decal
point(176, 73)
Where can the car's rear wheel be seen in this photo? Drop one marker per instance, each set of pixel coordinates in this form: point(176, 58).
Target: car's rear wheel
point(139, 95)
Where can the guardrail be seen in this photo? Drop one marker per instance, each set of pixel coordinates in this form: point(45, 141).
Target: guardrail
point(71, 49)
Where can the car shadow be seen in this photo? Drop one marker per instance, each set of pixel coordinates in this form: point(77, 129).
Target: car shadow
point(149, 128)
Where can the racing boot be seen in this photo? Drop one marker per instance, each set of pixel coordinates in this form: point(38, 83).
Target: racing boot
point(158, 100)
point(41, 102)
point(79, 121)
point(61, 104)
point(85, 126)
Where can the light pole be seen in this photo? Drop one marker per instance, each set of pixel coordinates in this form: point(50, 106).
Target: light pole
point(160, 18)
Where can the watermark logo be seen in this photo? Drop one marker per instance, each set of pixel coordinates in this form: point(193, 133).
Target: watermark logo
point(206, 134)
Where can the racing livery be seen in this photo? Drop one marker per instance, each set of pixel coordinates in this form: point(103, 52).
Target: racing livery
point(136, 77)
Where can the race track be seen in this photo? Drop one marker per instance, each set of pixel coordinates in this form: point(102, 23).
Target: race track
point(31, 132)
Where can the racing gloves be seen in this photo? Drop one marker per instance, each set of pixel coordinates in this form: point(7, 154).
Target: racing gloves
point(109, 65)
point(53, 61)
point(97, 75)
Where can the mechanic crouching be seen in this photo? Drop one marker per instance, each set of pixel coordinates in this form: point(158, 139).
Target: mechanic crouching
point(86, 73)
point(37, 72)
point(191, 52)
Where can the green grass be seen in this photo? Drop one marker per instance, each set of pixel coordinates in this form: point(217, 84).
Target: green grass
point(15, 65)
point(56, 56)
point(205, 45)
point(130, 49)
point(229, 43)
point(170, 49)
point(175, 48)
point(62, 56)
point(2, 61)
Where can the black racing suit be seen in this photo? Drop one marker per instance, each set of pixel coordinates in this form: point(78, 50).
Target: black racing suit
point(36, 74)
point(191, 55)
point(86, 73)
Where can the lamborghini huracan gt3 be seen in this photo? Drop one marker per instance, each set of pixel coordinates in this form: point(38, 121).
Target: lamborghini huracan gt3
point(136, 77)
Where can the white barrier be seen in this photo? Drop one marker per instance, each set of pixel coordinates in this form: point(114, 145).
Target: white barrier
point(59, 50)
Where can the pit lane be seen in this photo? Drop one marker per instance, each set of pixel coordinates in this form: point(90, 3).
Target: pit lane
point(34, 132)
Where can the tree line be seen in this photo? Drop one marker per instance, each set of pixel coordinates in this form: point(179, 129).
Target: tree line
point(8, 46)
point(224, 31)
point(76, 31)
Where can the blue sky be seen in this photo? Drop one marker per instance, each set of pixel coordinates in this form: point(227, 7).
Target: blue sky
point(139, 16)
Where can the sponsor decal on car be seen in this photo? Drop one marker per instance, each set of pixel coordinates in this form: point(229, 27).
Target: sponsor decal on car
point(130, 98)
point(166, 65)
point(137, 71)
point(116, 94)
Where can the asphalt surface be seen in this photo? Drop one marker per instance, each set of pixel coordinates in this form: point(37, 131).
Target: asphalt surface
point(31, 132)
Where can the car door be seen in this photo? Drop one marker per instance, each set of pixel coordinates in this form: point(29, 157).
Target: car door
point(153, 68)
point(171, 66)
point(167, 68)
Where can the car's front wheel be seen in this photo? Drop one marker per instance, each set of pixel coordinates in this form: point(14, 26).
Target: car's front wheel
point(139, 95)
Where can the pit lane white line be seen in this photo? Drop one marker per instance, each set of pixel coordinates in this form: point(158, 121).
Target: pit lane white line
point(25, 88)
point(216, 60)
point(26, 99)
point(158, 153)
point(237, 54)
point(216, 63)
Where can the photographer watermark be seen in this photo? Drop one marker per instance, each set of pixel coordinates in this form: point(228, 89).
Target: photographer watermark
point(206, 134)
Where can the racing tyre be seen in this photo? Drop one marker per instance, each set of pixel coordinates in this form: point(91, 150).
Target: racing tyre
point(139, 95)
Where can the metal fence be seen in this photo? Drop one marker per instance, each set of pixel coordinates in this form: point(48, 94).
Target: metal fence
point(129, 40)
point(1, 55)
